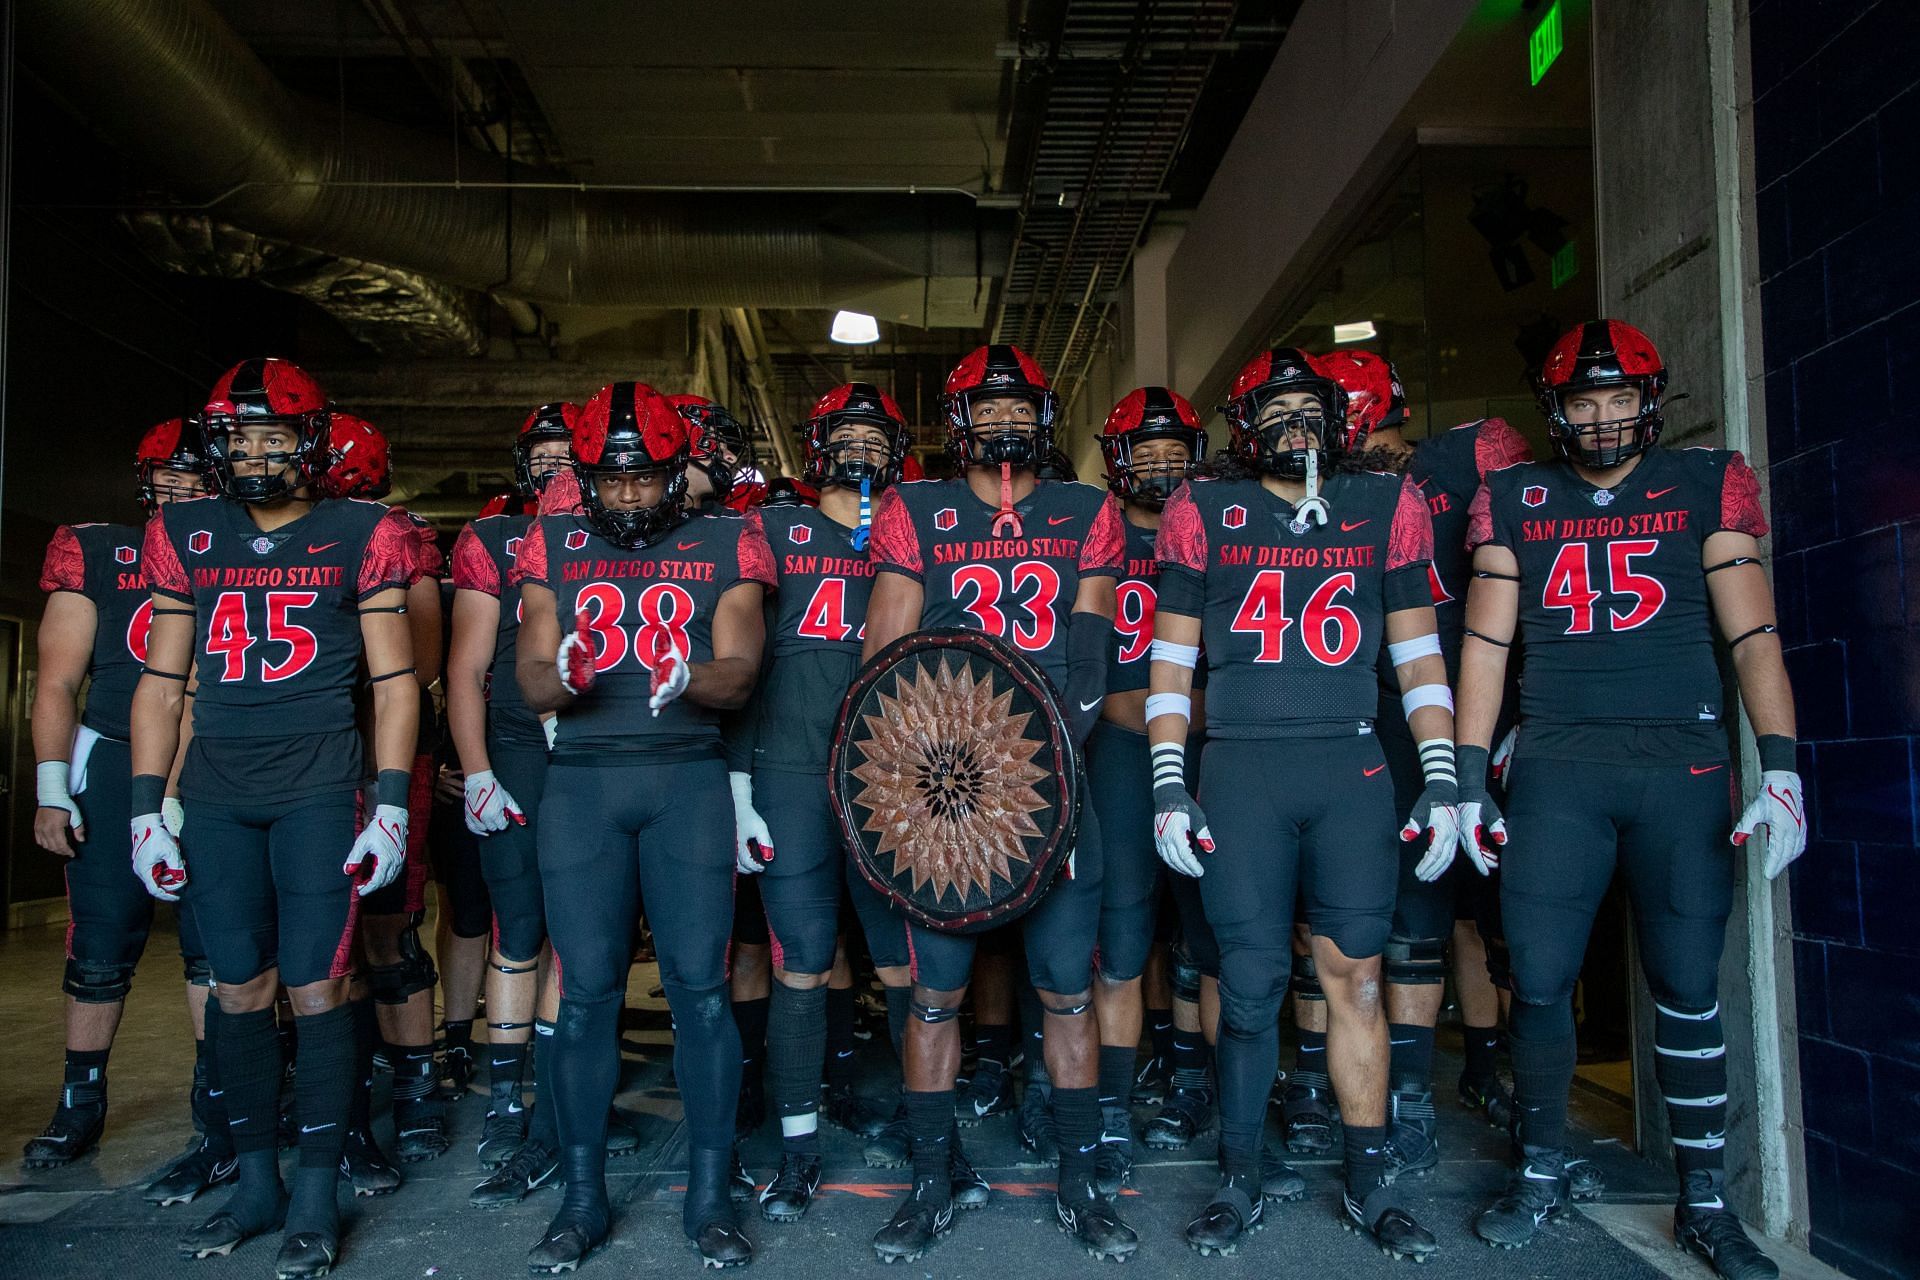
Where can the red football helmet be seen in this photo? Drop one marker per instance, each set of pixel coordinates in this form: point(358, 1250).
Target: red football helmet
point(1375, 398)
point(548, 422)
point(358, 462)
point(721, 446)
point(910, 468)
point(1259, 430)
point(1602, 353)
point(629, 428)
point(261, 392)
point(844, 462)
point(1143, 414)
point(173, 445)
point(998, 372)
point(501, 504)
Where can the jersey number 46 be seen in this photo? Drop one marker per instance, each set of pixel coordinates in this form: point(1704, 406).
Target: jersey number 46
point(1329, 630)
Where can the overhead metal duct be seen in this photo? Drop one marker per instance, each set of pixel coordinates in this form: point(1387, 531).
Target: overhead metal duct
point(177, 88)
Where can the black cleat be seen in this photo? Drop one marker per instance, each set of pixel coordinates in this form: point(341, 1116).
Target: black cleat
point(420, 1131)
point(1584, 1180)
point(71, 1133)
point(989, 1092)
point(916, 1225)
point(722, 1245)
point(366, 1167)
point(1413, 1146)
point(502, 1134)
point(1038, 1137)
point(788, 1196)
point(306, 1255)
point(200, 1169)
point(1491, 1098)
point(1536, 1191)
point(622, 1138)
point(740, 1183)
point(570, 1237)
point(1717, 1236)
point(1187, 1115)
point(889, 1148)
point(1306, 1108)
point(969, 1189)
point(1095, 1226)
point(707, 1215)
point(1280, 1182)
point(1113, 1162)
point(224, 1232)
point(1151, 1082)
point(1235, 1212)
point(1392, 1227)
point(456, 1070)
point(533, 1166)
point(856, 1113)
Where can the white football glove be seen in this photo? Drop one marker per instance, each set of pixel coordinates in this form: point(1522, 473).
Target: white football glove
point(174, 814)
point(752, 841)
point(1503, 756)
point(380, 851)
point(1180, 829)
point(157, 861)
point(1434, 813)
point(671, 673)
point(488, 806)
point(575, 659)
point(1781, 807)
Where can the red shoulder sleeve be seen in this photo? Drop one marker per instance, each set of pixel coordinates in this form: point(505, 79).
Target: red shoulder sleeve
point(159, 564)
point(756, 557)
point(65, 568)
point(1410, 541)
point(473, 568)
point(1740, 509)
point(531, 564)
point(561, 497)
point(391, 556)
point(1105, 548)
point(1480, 519)
point(1183, 534)
point(1498, 445)
point(894, 543)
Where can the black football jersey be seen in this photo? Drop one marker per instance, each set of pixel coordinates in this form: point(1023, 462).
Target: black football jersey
point(1293, 618)
point(1614, 610)
point(483, 559)
point(1022, 589)
point(102, 563)
point(815, 625)
point(1449, 469)
point(637, 602)
point(1134, 599)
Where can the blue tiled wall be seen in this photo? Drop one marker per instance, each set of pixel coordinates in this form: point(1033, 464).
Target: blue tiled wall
point(1837, 162)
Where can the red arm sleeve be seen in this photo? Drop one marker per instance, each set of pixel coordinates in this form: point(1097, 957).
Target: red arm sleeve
point(1183, 535)
point(1104, 552)
point(756, 557)
point(1480, 519)
point(473, 568)
point(1498, 445)
point(65, 568)
point(392, 555)
point(159, 564)
point(1740, 509)
point(895, 543)
point(531, 564)
point(1410, 541)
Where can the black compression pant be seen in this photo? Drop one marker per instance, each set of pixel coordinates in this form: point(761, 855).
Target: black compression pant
point(510, 860)
point(803, 887)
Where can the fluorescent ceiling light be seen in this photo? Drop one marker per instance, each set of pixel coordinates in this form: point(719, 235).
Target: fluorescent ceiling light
point(1358, 331)
point(856, 328)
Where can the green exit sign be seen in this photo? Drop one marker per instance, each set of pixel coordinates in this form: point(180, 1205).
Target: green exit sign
point(1566, 264)
point(1546, 42)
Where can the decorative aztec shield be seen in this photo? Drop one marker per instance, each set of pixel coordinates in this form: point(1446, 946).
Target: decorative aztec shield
point(955, 780)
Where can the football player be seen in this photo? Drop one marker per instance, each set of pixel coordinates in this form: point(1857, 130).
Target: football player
point(641, 624)
point(277, 596)
point(1055, 602)
point(1613, 562)
point(1295, 577)
point(854, 444)
point(1152, 443)
point(503, 752)
point(95, 628)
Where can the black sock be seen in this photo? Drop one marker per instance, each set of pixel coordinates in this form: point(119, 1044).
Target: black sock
point(1310, 1058)
point(1544, 1055)
point(1483, 1052)
point(585, 1074)
point(314, 1206)
point(1160, 1033)
point(930, 1130)
point(416, 1077)
point(706, 1064)
point(259, 1198)
point(1690, 1064)
point(1244, 1064)
point(750, 1016)
point(1192, 1057)
point(506, 1069)
point(249, 1069)
point(1410, 1055)
point(840, 1041)
point(992, 1042)
point(1033, 1025)
point(459, 1034)
point(324, 1084)
point(366, 1032)
point(545, 1127)
point(796, 1049)
point(1076, 1119)
point(1116, 1074)
point(898, 1001)
point(85, 1084)
point(1366, 1158)
point(214, 1112)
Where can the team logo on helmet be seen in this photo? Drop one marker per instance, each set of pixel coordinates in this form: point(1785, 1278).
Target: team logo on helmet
point(945, 518)
point(124, 555)
point(800, 535)
point(1234, 516)
point(1533, 495)
point(198, 541)
point(576, 539)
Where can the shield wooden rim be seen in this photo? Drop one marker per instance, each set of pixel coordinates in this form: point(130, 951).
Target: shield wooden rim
point(1060, 785)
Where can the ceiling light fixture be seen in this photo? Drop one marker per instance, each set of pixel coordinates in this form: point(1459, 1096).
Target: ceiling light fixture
point(855, 328)
point(1358, 331)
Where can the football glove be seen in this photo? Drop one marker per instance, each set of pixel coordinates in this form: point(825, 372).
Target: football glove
point(380, 851)
point(174, 814)
point(576, 656)
point(1781, 807)
point(488, 806)
point(752, 841)
point(671, 673)
point(1434, 813)
point(1482, 828)
point(157, 861)
point(1180, 829)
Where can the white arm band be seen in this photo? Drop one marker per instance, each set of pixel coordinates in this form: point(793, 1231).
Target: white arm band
point(50, 785)
point(1426, 695)
point(1169, 704)
point(1169, 763)
point(1436, 760)
point(1405, 651)
point(1181, 655)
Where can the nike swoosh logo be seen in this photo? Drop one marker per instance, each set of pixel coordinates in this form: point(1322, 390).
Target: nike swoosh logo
point(325, 546)
point(1058, 519)
point(1370, 772)
point(1660, 493)
point(316, 1128)
point(688, 546)
point(1696, 770)
point(1349, 528)
point(1088, 706)
point(534, 1184)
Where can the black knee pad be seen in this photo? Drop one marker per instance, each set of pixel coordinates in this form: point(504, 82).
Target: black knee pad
point(1249, 1012)
point(1416, 962)
point(417, 973)
point(197, 971)
point(1185, 979)
point(97, 982)
point(1305, 982)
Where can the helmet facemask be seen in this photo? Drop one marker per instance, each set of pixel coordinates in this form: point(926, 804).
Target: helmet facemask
point(631, 527)
point(1149, 481)
point(282, 473)
point(1608, 441)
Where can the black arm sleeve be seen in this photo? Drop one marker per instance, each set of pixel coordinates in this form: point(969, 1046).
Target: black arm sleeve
point(1087, 642)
